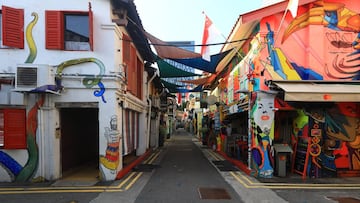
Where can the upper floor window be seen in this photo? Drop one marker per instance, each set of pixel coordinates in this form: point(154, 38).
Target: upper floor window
point(67, 30)
point(11, 27)
point(76, 32)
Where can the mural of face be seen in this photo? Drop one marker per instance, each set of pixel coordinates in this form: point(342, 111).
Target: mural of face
point(264, 111)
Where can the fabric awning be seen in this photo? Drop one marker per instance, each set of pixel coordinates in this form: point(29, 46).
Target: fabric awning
point(204, 65)
point(201, 81)
point(169, 85)
point(166, 50)
point(169, 71)
point(320, 91)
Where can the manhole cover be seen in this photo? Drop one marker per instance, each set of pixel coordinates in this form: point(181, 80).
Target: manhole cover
point(213, 193)
point(345, 199)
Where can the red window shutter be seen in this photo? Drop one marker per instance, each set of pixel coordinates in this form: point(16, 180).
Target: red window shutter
point(13, 27)
point(126, 50)
point(133, 58)
point(91, 27)
point(140, 71)
point(15, 129)
point(54, 23)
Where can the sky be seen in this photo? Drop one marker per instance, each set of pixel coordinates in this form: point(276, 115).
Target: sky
point(183, 20)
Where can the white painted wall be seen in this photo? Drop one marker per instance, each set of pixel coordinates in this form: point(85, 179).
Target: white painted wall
point(107, 49)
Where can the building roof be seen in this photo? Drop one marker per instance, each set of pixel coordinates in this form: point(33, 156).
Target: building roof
point(269, 10)
point(135, 29)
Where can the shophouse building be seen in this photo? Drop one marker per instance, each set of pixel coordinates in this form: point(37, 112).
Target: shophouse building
point(293, 92)
point(75, 88)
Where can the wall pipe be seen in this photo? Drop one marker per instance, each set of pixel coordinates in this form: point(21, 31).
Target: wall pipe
point(149, 112)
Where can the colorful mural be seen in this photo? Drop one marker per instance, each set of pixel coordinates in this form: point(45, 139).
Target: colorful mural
point(15, 170)
point(30, 40)
point(342, 62)
point(282, 67)
point(28, 171)
point(334, 137)
point(88, 81)
point(332, 128)
point(110, 160)
point(262, 122)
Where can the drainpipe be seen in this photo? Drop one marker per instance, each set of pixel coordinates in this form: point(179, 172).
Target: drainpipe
point(149, 112)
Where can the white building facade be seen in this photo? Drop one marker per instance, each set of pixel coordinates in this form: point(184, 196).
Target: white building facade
point(73, 89)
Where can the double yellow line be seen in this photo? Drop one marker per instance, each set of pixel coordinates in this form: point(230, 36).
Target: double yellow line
point(247, 183)
point(123, 185)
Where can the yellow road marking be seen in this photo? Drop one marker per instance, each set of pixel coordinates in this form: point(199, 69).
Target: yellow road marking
point(134, 176)
point(150, 157)
point(124, 181)
point(213, 155)
point(154, 157)
point(247, 183)
point(133, 181)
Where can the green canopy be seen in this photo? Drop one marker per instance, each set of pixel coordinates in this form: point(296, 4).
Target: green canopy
point(169, 71)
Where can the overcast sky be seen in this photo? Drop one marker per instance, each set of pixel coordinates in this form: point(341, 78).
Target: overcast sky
point(182, 20)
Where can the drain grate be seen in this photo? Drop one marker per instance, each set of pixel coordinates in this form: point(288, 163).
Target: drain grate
point(213, 193)
point(145, 167)
point(225, 166)
point(345, 199)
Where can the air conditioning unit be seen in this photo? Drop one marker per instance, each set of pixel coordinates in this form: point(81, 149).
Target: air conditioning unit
point(31, 76)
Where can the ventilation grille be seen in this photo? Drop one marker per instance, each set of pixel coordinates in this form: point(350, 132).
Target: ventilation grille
point(26, 77)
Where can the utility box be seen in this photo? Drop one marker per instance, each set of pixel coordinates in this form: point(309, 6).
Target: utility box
point(281, 153)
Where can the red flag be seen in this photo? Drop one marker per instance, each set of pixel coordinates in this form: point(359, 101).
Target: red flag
point(209, 36)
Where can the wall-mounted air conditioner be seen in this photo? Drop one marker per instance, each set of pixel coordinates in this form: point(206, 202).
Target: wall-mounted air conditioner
point(31, 76)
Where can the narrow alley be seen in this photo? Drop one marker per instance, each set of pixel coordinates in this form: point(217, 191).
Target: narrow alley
point(186, 175)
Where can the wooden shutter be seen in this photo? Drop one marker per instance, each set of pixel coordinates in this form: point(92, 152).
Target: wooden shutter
point(54, 22)
point(15, 129)
point(13, 27)
point(126, 49)
point(91, 27)
point(140, 73)
point(132, 69)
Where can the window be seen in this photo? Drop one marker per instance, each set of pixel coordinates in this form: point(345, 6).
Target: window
point(69, 30)
point(126, 49)
point(11, 27)
point(134, 67)
point(76, 32)
point(12, 128)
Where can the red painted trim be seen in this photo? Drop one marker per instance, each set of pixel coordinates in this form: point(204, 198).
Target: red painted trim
point(126, 169)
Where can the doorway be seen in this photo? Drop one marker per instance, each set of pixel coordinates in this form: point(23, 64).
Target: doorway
point(79, 142)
